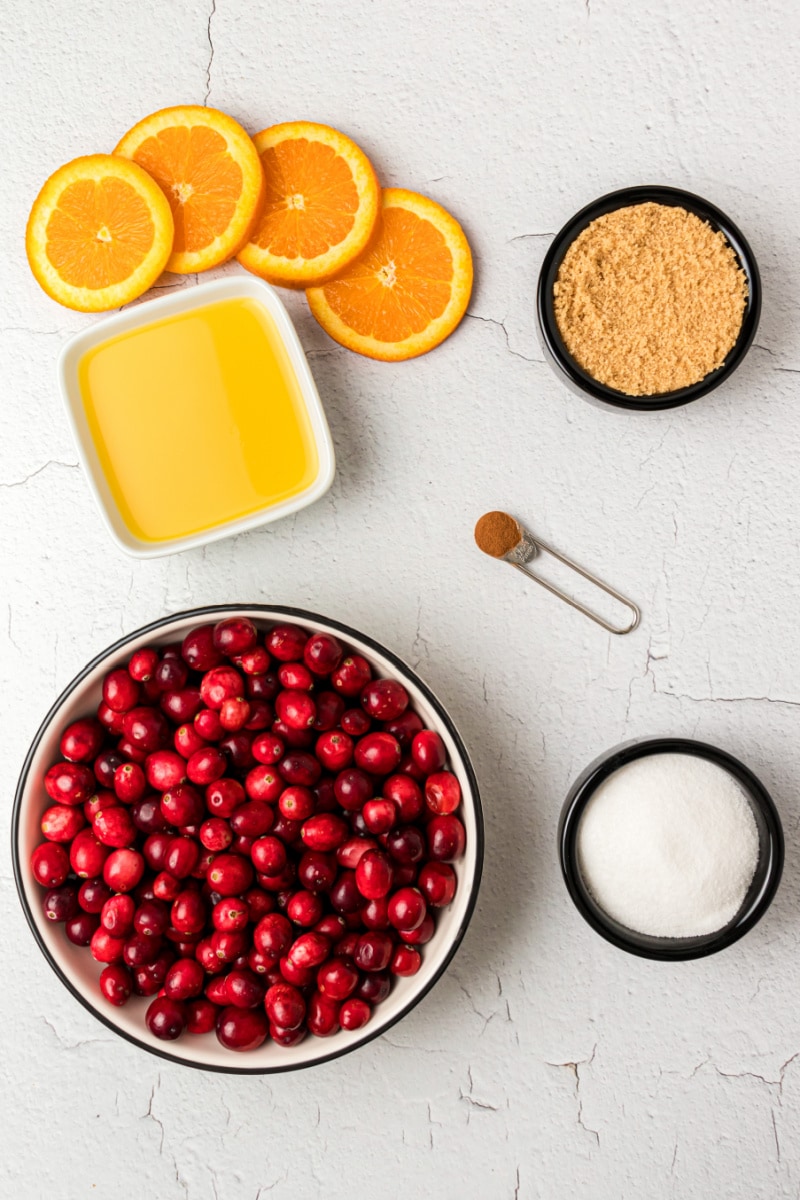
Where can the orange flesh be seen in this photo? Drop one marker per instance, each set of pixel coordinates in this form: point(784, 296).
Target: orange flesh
point(99, 233)
point(312, 199)
point(198, 419)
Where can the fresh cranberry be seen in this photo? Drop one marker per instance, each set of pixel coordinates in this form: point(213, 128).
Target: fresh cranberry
point(184, 979)
point(198, 650)
point(234, 714)
point(322, 653)
point(156, 848)
point(219, 685)
point(297, 803)
point(423, 933)
point(300, 768)
point(354, 1013)
point(268, 749)
point(373, 951)
point(61, 822)
point(208, 726)
point(141, 952)
point(406, 793)
point(187, 740)
point(206, 766)
point(105, 765)
point(182, 857)
point(217, 990)
point(442, 792)
point(264, 783)
point(406, 844)
point(105, 947)
point(324, 832)
point(142, 665)
point(353, 788)
point(87, 855)
point(428, 751)
point(405, 961)
point(110, 720)
point(316, 871)
point(407, 908)
point(182, 805)
point(374, 986)
point(268, 855)
point(82, 740)
point(252, 819)
point(379, 815)
point(224, 796)
point(181, 706)
point(285, 1005)
point(171, 675)
point(344, 895)
point(80, 928)
point(230, 915)
point(295, 739)
point(323, 1015)
point(404, 727)
point(304, 908)
point(375, 913)
point(286, 829)
point(146, 728)
point(115, 827)
point(352, 675)
point(61, 903)
point(123, 869)
point(235, 635)
point(330, 708)
point(295, 676)
point(255, 661)
point(166, 1018)
point(286, 642)
point(296, 709)
point(437, 882)
point(201, 1015)
point(332, 925)
point(337, 979)
point(100, 800)
point(69, 783)
point(245, 989)
point(130, 751)
point(92, 895)
point(261, 716)
point(230, 875)
point(147, 815)
point(130, 782)
point(334, 750)
point(446, 838)
point(116, 984)
point(286, 1037)
point(151, 918)
point(259, 903)
point(350, 853)
point(206, 955)
point(384, 699)
point(374, 875)
point(117, 915)
point(166, 886)
point(241, 1028)
point(378, 753)
point(120, 692)
point(188, 912)
point(355, 722)
point(309, 950)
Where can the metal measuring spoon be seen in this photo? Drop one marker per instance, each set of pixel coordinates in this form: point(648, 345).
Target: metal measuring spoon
point(501, 536)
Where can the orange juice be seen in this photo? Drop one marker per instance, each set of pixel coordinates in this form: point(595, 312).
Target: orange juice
point(198, 419)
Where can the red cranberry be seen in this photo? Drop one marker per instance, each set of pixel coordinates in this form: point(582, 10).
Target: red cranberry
point(355, 722)
point(407, 908)
point(166, 1018)
point(181, 706)
point(268, 855)
point(437, 882)
point(252, 819)
point(374, 875)
point(184, 979)
point(300, 768)
point(235, 635)
point(324, 832)
point(262, 687)
point(255, 661)
point(198, 650)
point(142, 665)
point(406, 793)
point(82, 740)
point(69, 783)
point(259, 903)
point(87, 855)
point(201, 1015)
point(171, 675)
point(114, 827)
point(206, 955)
point(406, 844)
point(273, 935)
point(188, 913)
point(354, 1013)
point(217, 990)
point(230, 915)
point(110, 720)
point(384, 699)
point(378, 753)
point(219, 685)
point(166, 886)
point(234, 715)
point(323, 1015)
point(302, 977)
point(295, 739)
point(287, 830)
point(442, 792)
point(268, 749)
point(105, 765)
point(182, 857)
point(230, 874)
point(304, 908)
point(352, 675)
point(296, 709)
point(379, 815)
point(353, 788)
point(423, 933)
point(116, 984)
point(146, 728)
point(297, 803)
point(224, 796)
point(261, 716)
point(182, 805)
point(264, 783)
point(286, 642)
point(245, 989)
point(344, 895)
point(333, 926)
point(208, 726)
point(373, 951)
point(123, 869)
point(286, 1037)
point(147, 815)
point(374, 987)
point(405, 961)
point(105, 947)
point(187, 740)
point(285, 1006)
point(330, 708)
point(428, 751)
point(117, 916)
point(61, 822)
point(322, 653)
point(316, 871)
point(446, 838)
point(93, 894)
point(241, 1028)
point(337, 979)
point(350, 853)
point(61, 903)
point(151, 918)
point(120, 692)
point(130, 782)
point(375, 913)
point(101, 799)
point(335, 750)
point(404, 727)
point(79, 929)
point(309, 950)
point(130, 751)
point(141, 952)
point(295, 676)
point(206, 766)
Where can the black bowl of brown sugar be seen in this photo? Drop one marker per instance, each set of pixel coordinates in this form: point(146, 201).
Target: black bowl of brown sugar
point(647, 299)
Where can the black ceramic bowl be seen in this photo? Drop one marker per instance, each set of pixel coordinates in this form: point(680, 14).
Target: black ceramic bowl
point(561, 360)
point(761, 891)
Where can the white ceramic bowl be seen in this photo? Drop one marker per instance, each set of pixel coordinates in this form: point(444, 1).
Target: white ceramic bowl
point(234, 288)
point(75, 966)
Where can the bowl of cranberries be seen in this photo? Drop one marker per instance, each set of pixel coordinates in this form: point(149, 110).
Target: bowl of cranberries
point(248, 839)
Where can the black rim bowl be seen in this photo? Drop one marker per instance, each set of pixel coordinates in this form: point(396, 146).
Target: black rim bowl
point(759, 895)
point(303, 617)
point(556, 352)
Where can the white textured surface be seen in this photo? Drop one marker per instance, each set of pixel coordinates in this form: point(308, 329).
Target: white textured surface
point(545, 1064)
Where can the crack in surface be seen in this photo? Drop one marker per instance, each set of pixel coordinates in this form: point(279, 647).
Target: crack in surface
point(210, 51)
point(574, 1066)
point(470, 1098)
point(52, 462)
point(501, 325)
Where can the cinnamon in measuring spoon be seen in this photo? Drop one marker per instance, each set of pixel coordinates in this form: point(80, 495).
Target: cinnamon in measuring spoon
point(497, 533)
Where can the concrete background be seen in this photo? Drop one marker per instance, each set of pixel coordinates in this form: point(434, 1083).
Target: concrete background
point(545, 1063)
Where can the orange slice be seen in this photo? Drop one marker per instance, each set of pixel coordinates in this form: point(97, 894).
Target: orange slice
point(408, 290)
point(322, 203)
point(99, 233)
point(210, 172)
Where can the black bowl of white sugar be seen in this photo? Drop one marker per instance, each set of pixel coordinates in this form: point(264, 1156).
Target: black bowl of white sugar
point(670, 848)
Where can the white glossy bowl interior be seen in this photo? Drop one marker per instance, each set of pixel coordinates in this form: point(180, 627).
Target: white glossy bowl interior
point(234, 288)
point(80, 972)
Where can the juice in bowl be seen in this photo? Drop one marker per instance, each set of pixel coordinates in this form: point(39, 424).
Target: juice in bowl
point(196, 416)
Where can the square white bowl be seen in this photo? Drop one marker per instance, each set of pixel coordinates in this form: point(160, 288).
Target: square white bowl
point(187, 300)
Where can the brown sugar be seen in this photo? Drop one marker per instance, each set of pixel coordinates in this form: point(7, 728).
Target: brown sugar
point(496, 533)
point(649, 298)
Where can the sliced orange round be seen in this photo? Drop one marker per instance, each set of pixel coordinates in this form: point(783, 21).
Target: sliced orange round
point(210, 172)
point(99, 233)
point(322, 203)
point(408, 290)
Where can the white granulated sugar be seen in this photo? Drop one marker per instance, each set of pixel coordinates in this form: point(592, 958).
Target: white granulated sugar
point(668, 846)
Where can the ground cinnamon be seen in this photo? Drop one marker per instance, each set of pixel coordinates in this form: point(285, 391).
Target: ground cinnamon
point(496, 533)
point(649, 299)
